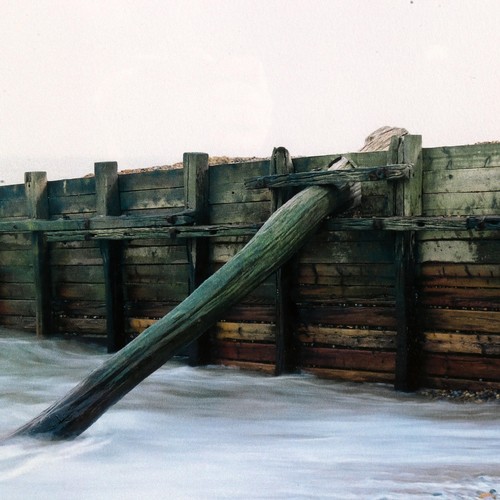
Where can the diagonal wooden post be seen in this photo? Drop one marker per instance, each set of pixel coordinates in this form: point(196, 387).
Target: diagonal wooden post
point(35, 185)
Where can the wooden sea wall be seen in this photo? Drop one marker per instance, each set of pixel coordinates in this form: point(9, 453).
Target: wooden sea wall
point(345, 315)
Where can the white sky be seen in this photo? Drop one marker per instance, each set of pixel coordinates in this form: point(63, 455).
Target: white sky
point(142, 81)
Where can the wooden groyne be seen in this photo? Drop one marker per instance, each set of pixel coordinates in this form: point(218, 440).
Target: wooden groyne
point(403, 289)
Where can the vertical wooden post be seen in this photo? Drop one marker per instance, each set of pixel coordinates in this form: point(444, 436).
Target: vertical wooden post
point(108, 203)
point(196, 185)
point(407, 202)
point(281, 163)
point(35, 185)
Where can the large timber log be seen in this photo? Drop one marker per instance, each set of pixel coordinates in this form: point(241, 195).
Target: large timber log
point(284, 233)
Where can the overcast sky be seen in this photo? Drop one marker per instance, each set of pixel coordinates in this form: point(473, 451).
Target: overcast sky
point(142, 81)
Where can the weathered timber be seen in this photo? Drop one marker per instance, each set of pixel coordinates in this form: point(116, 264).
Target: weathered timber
point(350, 375)
point(285, 231)
point(461, 366)
point(196, 190)
point(463, 343)
point(38, 208)
point(407, 202)
point(108, 203)
point(281, 164)
point(476, 223)
point(360, 174)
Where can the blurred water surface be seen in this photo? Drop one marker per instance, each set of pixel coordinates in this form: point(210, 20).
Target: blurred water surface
point(214, 432)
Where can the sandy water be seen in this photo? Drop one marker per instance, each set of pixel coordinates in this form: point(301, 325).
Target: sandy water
point(213, 432)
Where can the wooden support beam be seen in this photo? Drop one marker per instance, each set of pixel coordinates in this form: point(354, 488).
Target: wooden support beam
point(108, 204)
point(196, 202)
point(281, 163)
point(327, 177)
point(35, 184)
point(407, 203)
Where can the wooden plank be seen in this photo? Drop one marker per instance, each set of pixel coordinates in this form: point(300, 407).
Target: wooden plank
point(71, 187)
point(72, 206)
point(108, 204)
point(355, 338)
point(348, 316)
point(243, 351)
point(16, 258)
point(167, 254)
point(461, 320)
point(456, 297)
point(14, 241)
point(463, 343)
point(376, 252)
point(38, 208)
point(152, 199)
point(239, 213)
point(246, 332)
point(449, 204)
point(459, 251)
point(20, 307)
point(171, 291)
point(250, 312)
point(469, 275)
point(360, 174)
point(460, 157)
point(158, 273)
point(461, 366)
point(473, 180)
point(150, 179)
point(347, 359)
point(266, 368)
point(350, 375)
point(346, 274)
point(459, 384)
point(68, 291)
point(343, 292)
point(81, 326)
point(16, 274)
point(17, 291)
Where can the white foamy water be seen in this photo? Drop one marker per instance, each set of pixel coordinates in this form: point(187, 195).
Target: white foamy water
point(212, 433)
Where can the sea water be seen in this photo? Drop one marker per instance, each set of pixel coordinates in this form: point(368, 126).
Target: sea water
point(214, 432)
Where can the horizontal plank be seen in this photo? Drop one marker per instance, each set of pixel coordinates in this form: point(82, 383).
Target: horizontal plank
point(70, 291)
point(16, 274)
point(152, 199)
point(458, 384)
point(17, 290)
point(151, 179)
point(138, 325)
point(80, 325)
point(71, 187)
point(463, 343)
point(243, 351)
point(429, 225)
point(460, 320)
point(267, 368)
point(459, 274)
point(71, 205)
point(345, 292)
point(447, 204)
point(472, 180)
point(174, 291)
point(347, 359)
point(77, 274)
point(348, 316)
point(350, 274)
point(14, 241)
point(13, 207)
point(247, 332)
point(350, 375)
point(459, 251)
point(76, 257)
point(379, 252)
point(158, 273)
point(461, 366)
point(250, 312)
point(330, 177)
point(239, 213)
point(459, 157)
point(347, 337)
point(16, 258)
point(22, 307)
point(155, 255)
point(234, 173)
point(21, 323)
point(454, 297)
